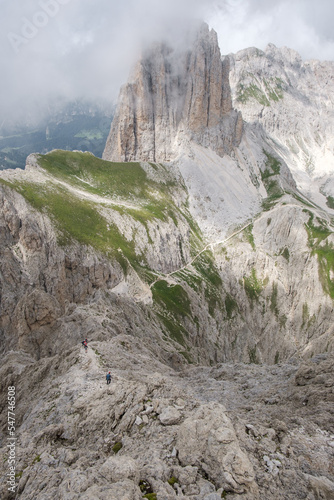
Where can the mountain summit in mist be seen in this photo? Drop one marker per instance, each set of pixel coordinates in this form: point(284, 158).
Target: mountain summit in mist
point(175, 92)
point(201, 272)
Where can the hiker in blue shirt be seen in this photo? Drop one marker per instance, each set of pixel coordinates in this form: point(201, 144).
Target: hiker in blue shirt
point(108, 377)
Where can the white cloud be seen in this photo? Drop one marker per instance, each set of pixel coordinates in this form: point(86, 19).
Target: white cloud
point(303, 25)
point(87, 47)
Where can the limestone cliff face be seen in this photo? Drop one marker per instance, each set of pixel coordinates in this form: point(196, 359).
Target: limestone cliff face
point(291, 100)
point(174, 91)
point(40, 281)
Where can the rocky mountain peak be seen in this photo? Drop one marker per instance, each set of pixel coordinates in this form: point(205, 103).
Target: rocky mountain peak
point(174, 92)
point(284, 55)
point(291, 100)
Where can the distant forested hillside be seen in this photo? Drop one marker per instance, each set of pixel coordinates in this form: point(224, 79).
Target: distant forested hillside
point(83, 128)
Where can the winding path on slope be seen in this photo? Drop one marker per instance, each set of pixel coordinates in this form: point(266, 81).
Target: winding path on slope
point(207, 246)
point(235, 233)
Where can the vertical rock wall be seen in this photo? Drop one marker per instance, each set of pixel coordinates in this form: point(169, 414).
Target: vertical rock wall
point(175, 91)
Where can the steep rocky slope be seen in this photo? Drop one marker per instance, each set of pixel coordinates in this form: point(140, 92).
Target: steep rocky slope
point(204, 283)
point(231, 431)
point(80, 263)
point(291, 100)
point(79, 232)
point(281, 275)
point(177, 106)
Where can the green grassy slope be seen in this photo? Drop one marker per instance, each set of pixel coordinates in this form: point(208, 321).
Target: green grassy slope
point(80, 188)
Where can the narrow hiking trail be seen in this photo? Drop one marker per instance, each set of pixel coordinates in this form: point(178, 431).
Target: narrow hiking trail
point(102, 200)
point(92, 369)
point(213, 244)
point(89, 360)
point(86, 374)
point(207, 246)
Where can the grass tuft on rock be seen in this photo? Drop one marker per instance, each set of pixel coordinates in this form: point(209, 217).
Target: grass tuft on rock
point(117, 447)
point(318, 233)
point(253, 286)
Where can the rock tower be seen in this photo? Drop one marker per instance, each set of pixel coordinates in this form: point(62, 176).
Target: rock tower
point(175, 93)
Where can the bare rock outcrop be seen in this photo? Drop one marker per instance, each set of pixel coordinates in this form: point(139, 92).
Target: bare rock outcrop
point(41, 282)
point(175, 92)
point(243, 431)
point(291, 101)
point(207, 440)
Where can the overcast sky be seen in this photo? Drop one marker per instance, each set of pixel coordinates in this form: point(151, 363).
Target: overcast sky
point(86, 47)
